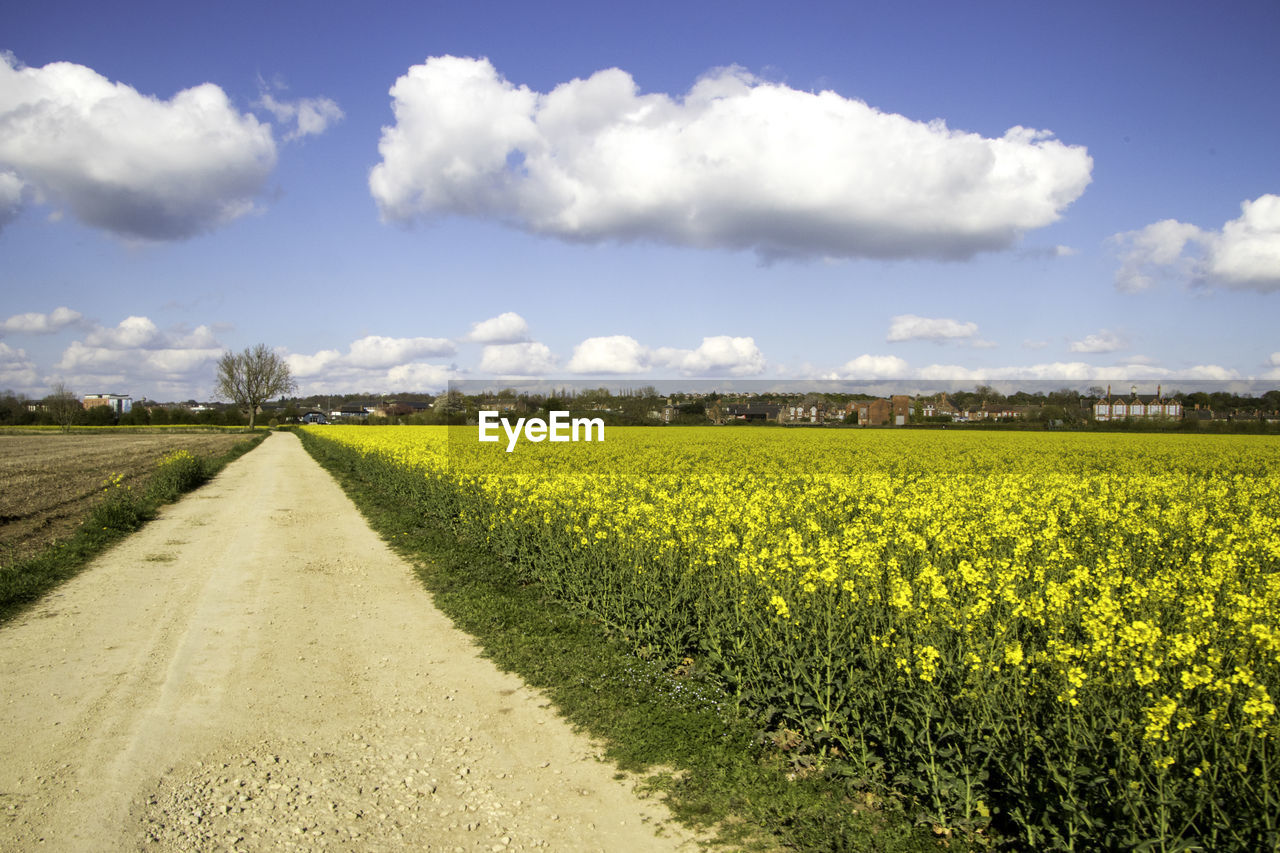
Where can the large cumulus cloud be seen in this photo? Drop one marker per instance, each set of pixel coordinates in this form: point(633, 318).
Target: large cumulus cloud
point(132, 164)
point(736, 162)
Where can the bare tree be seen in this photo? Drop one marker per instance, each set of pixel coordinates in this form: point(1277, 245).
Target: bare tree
point(252, 377)
point(63, 406)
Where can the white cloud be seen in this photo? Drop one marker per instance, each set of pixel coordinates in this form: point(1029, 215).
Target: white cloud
point(201, 337)
point(1244, 255)
point(374, 363)
point(868, 366)
point(611, 354)
point(306, 366)
point(506, 328)
point(140, 363)
point(369, 356)
point(891, 367)
point(1273, 362)
point(720, 355)
point(131, 333)
point(142, 333)
point(17, 371)
point(1152, 251)
point(34, 323)
point(137, 357)
point(132, 164)
point(330, 372)
point(909, 327)
point(1207, 371)
point(419, 377)
point(378, 351)
point(736, 162)
point(1104, 341)
point(309, 116)
point(523, 359)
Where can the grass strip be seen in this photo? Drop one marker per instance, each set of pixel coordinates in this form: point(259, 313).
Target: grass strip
point(120, 512)
point(715, 770)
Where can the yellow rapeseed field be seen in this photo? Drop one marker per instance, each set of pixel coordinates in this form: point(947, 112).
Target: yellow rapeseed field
point(1072, 640)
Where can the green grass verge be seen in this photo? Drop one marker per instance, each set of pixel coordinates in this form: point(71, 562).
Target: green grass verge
point(120, 512)
point(716, 770)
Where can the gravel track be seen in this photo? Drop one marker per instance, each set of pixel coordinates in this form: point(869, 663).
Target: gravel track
point(255, 669)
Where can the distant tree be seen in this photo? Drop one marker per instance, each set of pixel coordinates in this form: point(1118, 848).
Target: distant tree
point(63, 406)
point(178, 415)
point(11, 409)
point(97, 416)
point(252, 377)
point(136, 416)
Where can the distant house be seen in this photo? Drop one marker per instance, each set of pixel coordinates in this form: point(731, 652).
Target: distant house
point(801, 414)
point(1009, 412)
point(756, 412)
point(873, 412)
point(314, 417)
point(900, 404)
point(399, 408)
point(938, 408)
point(1135, 406)
point(349, 412)
point(118, 403)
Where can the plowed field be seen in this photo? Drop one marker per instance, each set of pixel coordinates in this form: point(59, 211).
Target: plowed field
point(48, 481)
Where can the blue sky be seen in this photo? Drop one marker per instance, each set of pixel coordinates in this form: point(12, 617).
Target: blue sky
point(397, 195)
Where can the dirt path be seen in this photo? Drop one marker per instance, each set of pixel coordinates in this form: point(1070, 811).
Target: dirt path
point(254, 670)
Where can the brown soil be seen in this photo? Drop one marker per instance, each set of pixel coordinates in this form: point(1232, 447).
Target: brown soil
point(256, 669)
point(50, 480)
